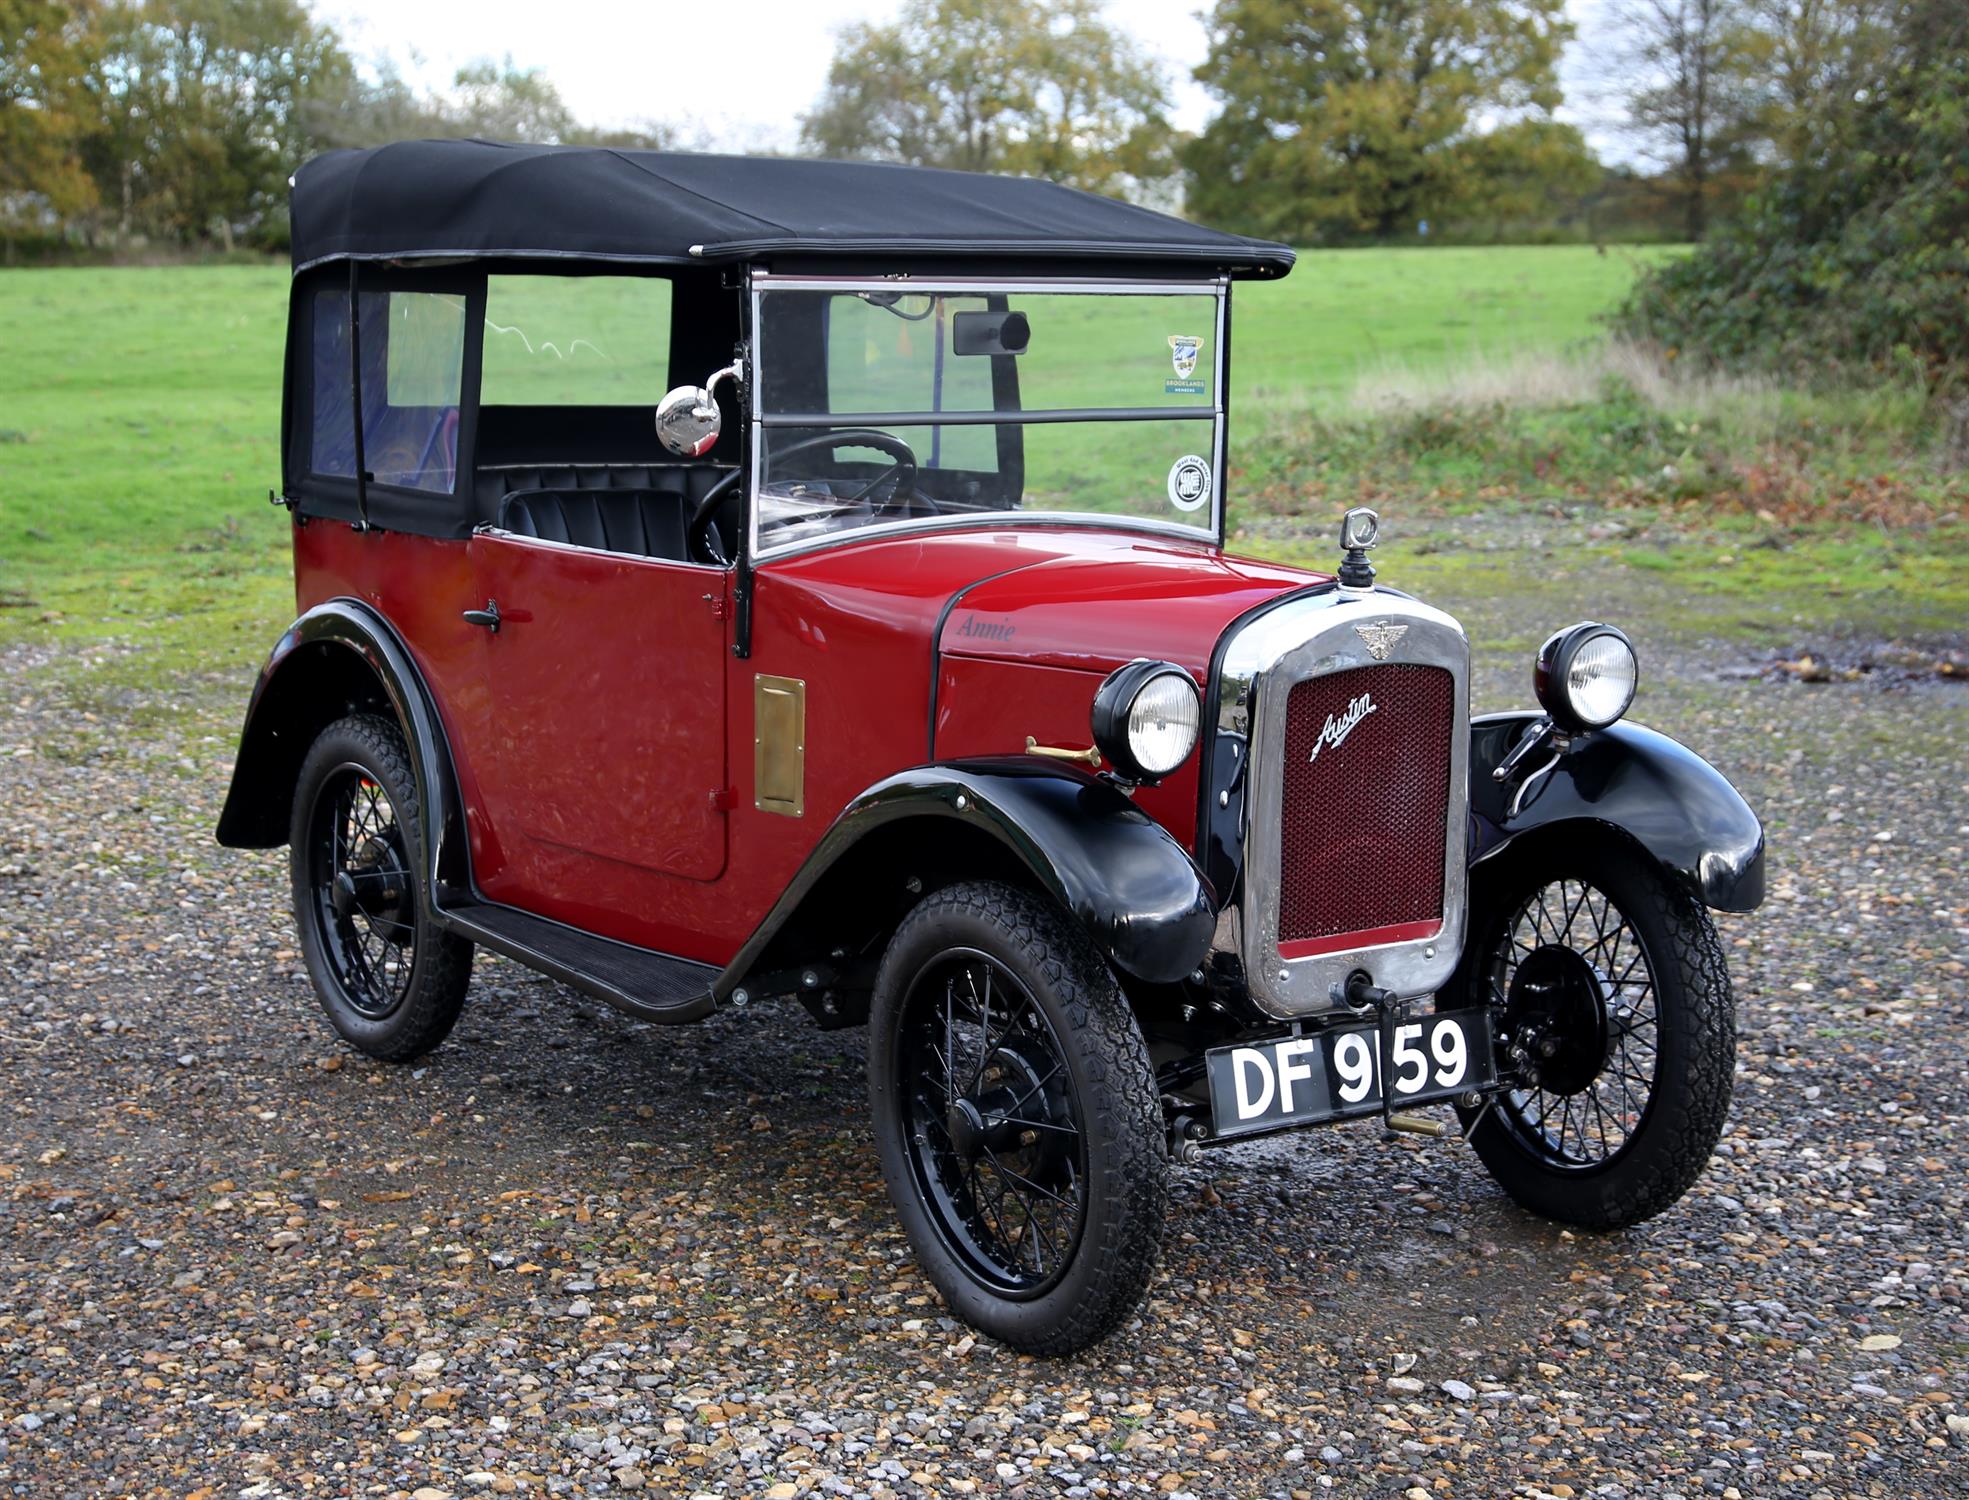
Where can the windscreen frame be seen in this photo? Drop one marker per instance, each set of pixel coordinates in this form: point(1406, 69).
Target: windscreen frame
point(761, 284)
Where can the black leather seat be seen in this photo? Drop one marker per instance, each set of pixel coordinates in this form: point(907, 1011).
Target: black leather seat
point(643, 523)
point(495, 482)
point(586, 505)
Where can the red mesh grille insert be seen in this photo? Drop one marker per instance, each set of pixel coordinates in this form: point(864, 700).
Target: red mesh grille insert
point(1366, 799)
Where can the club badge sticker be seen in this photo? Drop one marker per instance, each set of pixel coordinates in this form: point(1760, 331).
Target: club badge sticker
point(1184, 351)
point(1189, 483)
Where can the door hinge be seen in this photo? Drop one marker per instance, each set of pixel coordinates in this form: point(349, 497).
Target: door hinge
point(722, 799)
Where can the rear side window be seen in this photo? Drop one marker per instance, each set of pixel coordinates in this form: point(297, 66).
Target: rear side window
point(576, 341)
point(413, 371)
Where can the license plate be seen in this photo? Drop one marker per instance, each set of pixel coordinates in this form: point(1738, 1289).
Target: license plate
point(1339, 1074)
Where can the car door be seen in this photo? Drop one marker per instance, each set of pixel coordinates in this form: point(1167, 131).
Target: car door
point(604, 742)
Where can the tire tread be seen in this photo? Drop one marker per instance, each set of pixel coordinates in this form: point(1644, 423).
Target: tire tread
point(444, 961)
point(1688, 1110)
point(1121, 1115)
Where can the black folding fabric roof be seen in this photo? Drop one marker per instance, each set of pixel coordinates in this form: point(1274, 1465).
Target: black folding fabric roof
point(481, 198)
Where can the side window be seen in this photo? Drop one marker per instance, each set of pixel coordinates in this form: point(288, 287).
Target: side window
point(576, 341)
point(413, 369)
point(333, 450)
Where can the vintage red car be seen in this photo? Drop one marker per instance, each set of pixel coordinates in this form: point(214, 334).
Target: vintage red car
point(722, 580)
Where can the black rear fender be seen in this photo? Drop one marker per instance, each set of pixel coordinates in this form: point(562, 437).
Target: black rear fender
point(1111, 867)
point(339, 658)
point(1629, 780)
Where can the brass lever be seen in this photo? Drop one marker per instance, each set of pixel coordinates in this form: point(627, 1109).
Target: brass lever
point(1090, 757)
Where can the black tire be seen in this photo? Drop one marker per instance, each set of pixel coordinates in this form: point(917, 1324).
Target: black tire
point(1641, 1103)
point(1077, 1119)
point(391, 980)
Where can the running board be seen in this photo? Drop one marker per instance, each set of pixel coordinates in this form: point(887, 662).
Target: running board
point(648, 985)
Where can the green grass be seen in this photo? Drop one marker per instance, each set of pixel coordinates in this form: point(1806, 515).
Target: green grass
point(1873, 455)
point(139, 408)
point(139, 411)
point(1304, 342)
point(1342, 313)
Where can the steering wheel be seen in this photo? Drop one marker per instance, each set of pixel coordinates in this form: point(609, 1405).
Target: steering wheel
point(901, 474)
point(699, 536)
point(702, 539)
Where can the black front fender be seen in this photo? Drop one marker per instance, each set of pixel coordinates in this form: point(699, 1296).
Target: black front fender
point(340, 657)
point(1115, 870)
point(1656, 791)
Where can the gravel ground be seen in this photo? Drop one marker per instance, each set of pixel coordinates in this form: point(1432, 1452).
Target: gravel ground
point(571, 1254)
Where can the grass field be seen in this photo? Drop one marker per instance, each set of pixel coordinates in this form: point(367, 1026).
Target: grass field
point(139, 407)
point(1345, 313)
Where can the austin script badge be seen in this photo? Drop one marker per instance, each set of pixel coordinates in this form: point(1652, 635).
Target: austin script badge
point(1334, 731)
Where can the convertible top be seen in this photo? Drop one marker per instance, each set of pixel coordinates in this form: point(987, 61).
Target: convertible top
point(421, 199)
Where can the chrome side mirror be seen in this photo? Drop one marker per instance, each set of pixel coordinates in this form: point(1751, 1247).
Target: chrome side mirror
point(687, 420)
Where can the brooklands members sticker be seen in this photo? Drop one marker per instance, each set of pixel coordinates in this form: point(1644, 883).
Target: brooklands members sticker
point(1189, 483)
point(1183, 353)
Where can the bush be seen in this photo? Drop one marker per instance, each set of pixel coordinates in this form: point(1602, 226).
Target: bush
point(1606, 427)
point(1854, 264)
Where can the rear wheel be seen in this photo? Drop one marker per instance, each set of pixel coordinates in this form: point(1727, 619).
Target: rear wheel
point(391, 980)
point(1608, 987)
point(1017, 1118)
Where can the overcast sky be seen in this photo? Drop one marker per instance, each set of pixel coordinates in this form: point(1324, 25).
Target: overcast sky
point(744, 73)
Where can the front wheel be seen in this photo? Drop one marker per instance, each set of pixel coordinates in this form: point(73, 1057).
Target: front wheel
point(1017, 1118)
point(1611, 1002)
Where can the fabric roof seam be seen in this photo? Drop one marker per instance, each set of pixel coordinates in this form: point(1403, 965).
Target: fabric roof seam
point(628, 161)
point(740, 250)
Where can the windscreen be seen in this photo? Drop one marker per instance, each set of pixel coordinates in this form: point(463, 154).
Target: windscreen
point(880, 405)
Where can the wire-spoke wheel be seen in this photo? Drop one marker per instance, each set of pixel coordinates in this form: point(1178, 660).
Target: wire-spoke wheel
point(994, 1135)
point(1017, 1117)
point(390, 979)
point(1578, 998)
point(1614, 1027)
point(362, 896)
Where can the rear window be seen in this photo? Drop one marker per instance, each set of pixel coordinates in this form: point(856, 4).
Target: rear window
point(576, 341)
point(413, 371)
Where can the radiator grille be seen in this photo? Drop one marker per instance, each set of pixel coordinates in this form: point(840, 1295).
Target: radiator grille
point(1365, 808)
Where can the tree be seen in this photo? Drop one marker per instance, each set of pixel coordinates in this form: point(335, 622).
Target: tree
point(492, 101)
point(1805, 63)
point(1857, 259)
point(1688, 97)
point(500, 102)
point(46, 49)
point(203, 108)
point(1012, 86)
point(1526, 172)
point(1361, 117)
point(367, 111)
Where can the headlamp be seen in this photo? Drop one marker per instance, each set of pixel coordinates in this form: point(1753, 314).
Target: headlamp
point(1586, 676)
point(1147, 716)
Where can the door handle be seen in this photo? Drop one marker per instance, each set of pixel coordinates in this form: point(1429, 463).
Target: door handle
point(488, 617)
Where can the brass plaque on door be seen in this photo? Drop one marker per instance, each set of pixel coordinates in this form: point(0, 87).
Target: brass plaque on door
point(779, 744)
